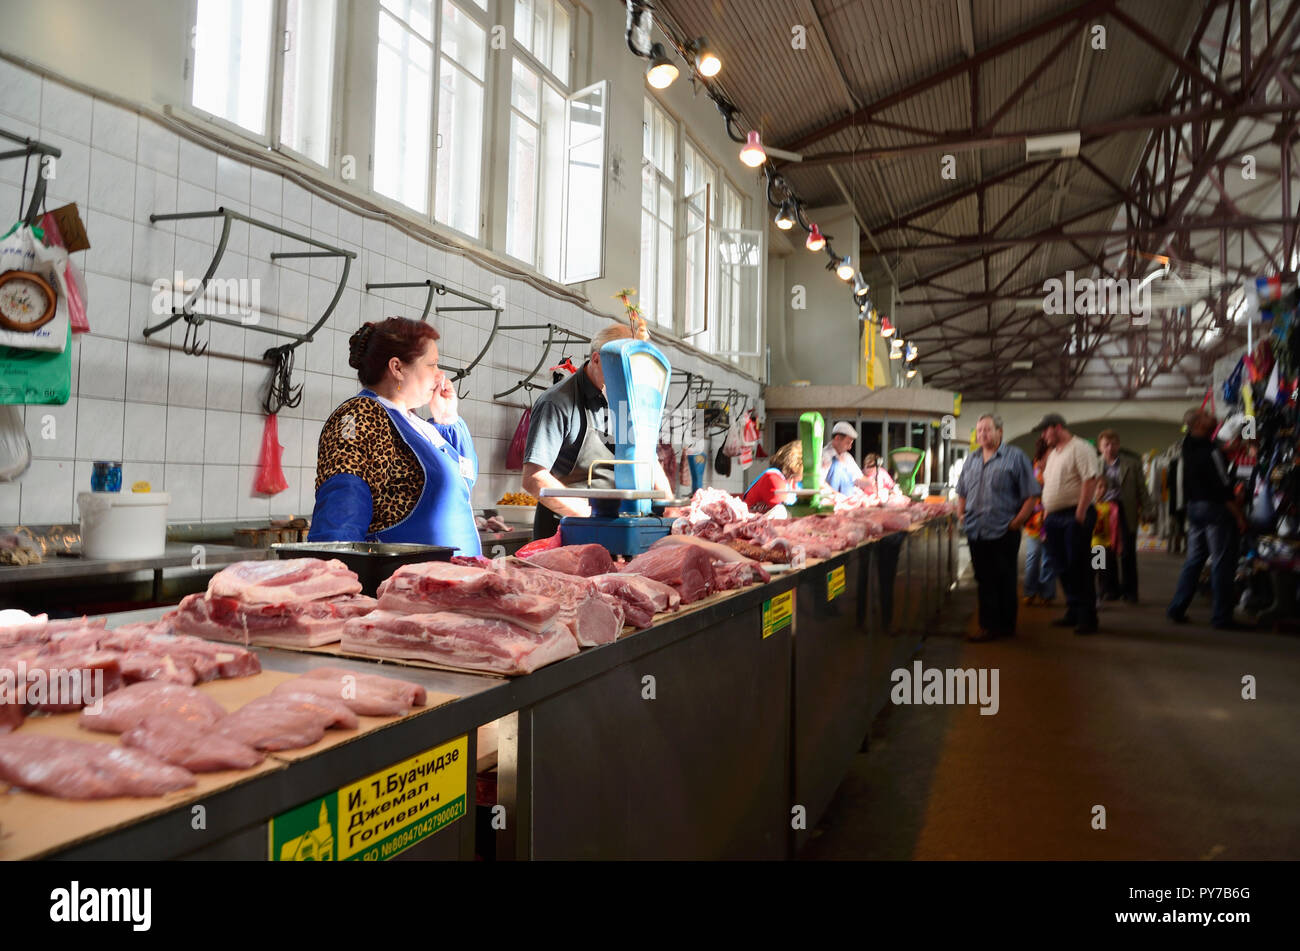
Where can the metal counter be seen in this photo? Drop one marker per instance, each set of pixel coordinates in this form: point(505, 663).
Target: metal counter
point(697, 738)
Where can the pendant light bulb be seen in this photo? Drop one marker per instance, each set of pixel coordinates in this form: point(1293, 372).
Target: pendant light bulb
point(706, 60)
point(844, 270)
point(815, 240)
point(662, 71)
point(886, 328)
point(752, 154)
point(785, 217)
point(911, 372)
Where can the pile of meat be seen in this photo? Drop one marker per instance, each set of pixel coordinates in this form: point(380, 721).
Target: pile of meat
point(720, 517)
point(55, 651)
point(171, 731)
point(299, 602)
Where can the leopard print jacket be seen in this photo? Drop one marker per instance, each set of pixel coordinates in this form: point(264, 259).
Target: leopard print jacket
point(359, 439)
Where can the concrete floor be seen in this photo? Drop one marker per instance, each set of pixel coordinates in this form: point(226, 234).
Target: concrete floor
point(1146, 719)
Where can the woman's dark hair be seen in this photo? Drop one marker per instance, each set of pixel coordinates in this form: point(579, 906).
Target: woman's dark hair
point(374, 344)
point(1040, 448)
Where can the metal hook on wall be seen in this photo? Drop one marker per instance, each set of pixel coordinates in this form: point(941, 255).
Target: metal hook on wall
point(191, 344)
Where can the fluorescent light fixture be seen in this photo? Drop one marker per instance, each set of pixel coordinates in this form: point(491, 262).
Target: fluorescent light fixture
point(1022, 364)
point(1017, 394)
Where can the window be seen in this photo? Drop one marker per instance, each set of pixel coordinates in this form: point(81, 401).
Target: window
point(700, 218)
point(404, 102)
point(659, 135)
point(542, 28)
point(537, 116)
point(739, 257)
point(307, 81)
point(236, 61)
point(461, 79)
point(232, 61)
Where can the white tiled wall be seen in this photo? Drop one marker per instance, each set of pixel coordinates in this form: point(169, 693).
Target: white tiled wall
point(192, 426)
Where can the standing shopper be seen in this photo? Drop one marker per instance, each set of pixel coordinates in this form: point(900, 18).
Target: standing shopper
point(1040, 576)
point(1126, 488)
point(1069, 484)
point(1212, 515)
point(995, 494)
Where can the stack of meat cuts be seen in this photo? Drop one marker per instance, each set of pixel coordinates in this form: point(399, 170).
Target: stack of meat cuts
point(77, 662)
point(300, 602)
point(642, 597)
point(685, 568)
point(586, 561)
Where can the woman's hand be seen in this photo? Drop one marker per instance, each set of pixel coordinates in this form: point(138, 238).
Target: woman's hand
point(444, 407)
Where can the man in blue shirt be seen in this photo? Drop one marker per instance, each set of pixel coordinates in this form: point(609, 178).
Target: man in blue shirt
point(995, 496)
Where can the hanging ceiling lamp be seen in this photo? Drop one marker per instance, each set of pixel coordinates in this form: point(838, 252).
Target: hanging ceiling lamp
point(662, 71)
point(886, 328)
point(844, 270)
point(911, 372)
point(706, 60)
point(752, 154)
point(785, 217)
point(815, 240)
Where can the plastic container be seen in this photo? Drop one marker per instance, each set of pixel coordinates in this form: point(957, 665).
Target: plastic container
point(106, 477)
point(118, 525)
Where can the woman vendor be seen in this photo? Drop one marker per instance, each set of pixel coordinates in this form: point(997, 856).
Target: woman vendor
point(384, 473)
point(875, 480)
point(776, 484)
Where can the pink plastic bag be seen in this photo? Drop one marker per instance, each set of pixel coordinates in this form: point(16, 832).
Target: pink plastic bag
point(74, 285)
point(515, 454)
point(270, 474)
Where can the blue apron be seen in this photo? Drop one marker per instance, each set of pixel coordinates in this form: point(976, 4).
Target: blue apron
point(443, 515)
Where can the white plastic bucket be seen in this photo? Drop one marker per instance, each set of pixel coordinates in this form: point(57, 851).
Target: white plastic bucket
point(123, 524)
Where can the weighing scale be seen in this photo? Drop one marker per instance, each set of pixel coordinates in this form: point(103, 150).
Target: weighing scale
point(906, 461)
point(636, 385)
point(812, 429)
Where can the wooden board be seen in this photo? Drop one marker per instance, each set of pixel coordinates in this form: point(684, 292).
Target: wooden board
point(33, 825)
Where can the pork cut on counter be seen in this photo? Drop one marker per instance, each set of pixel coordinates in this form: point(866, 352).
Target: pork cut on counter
point(285, 721)
point(189, 745)
point(290, 624)
point(642, 597)
point(436, 586)
point(125, 708)
point(687, 568)
point(411, 694)
point(582, 560)
point(278, 582)
point(455, 640)
point(363, 699)
point(591, 617)
point(72, 769)
point(208, 661)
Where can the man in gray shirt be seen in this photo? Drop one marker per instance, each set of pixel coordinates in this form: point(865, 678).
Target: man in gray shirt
point(996, 493)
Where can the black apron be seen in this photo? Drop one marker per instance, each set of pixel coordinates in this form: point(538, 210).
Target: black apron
point(596, 446)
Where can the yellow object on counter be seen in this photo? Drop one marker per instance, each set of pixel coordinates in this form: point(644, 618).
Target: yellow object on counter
point(516, 498)
point(141, 487)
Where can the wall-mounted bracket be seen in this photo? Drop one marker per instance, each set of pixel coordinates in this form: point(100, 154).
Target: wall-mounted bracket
point(29, 148)
point(554, 334)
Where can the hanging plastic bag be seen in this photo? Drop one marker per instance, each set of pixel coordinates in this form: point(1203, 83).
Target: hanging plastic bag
point(515, 454)
point(734, 443)
point(270, 474)
point(38, 281)
point(15, 448)
point(72, 284)
point(36, 376)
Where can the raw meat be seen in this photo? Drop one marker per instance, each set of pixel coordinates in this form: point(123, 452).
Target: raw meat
point(144, 665)
point(684, 567)
point(411, 694)
point(592, 618)
point(285, 721)
point(209, 661)
point(716, 551)
point(277, 582)
point(436, 586)
point(738, 574)
point(125, 708)
point(71, 769)
point(360, 698)
point(292, 624)
point(186, 744)
point(454, 640)
point(85, 667)
point(11, 716)
point(581, 560)
point(642, 597)
point(758, 552)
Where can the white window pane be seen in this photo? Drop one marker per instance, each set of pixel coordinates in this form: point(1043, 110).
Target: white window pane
point(648, 186)
point(560, 43)
point(550, 222)
point(646, 289)
point(463, 40)
point(665, 204)
point(585, 233)
point(524, 23)
point(417, 14)
point(525, 91)
point(521, 215)
point(308, 83)
point(664, 277)
point(460, 149)
point(403, 115)
point(232, 60)
point(541, 32)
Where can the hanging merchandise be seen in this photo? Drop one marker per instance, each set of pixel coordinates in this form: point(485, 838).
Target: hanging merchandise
point(36, 376)
point(15, 448)
point(668, 460)
point(518, 442)
point(270, 473)
point(560, 369)
point(722, 462)
point(749, 433)
point(33, 315)
point(71, 284)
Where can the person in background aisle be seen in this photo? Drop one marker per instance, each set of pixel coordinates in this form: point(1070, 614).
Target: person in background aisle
point(384, 474)
point(1212, 515)
point(875, 480)
point(841, 449)
point(1040, 577)
point(1070, 477)
point(995, 494)
point(1126, 489)
point(775, 485)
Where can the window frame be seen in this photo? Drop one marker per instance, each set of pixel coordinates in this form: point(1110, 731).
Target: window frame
point(674, 185)
point(483, 18)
